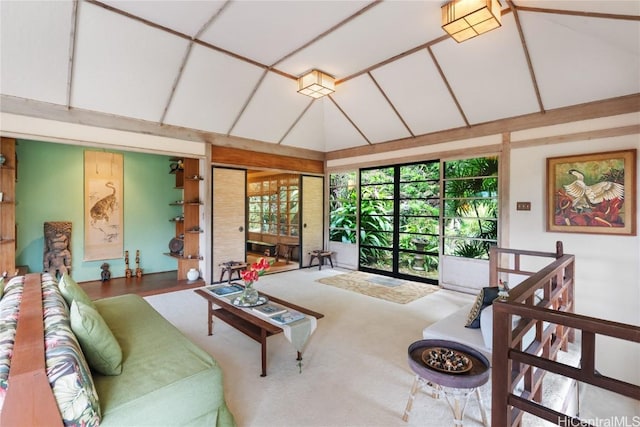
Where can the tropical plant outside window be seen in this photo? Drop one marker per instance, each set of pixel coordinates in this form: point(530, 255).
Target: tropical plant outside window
point(401, 225)
point(419, 219)
point(377, 218)
point(273, 205)
point(343, 207)
point(399, 219)
point(470, 220)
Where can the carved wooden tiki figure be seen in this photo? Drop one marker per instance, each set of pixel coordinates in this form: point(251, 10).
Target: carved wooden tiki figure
point(57, 248)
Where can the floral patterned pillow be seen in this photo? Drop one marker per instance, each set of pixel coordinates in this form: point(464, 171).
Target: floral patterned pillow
point(67, 369)
point(9, 307)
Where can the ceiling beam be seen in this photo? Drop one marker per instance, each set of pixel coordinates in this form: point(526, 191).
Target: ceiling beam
point(293, 125)
point(346, 116)
point(592, 110)
point(525, 50)
point(72, 51)
point(449, 88)
point(329, 31)
point(176, 81)
point(189, 38)
point(59, 113)
point(186, 57)
point(579, 13)
point(247, 102)
point(393, 107)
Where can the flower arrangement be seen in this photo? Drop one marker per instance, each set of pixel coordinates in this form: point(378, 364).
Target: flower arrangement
point(256, 270)
point(250, 295)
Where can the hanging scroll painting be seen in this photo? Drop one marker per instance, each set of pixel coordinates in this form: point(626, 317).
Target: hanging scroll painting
point(103, 209)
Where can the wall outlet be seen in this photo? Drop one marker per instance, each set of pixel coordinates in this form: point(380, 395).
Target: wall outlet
point(523, 206)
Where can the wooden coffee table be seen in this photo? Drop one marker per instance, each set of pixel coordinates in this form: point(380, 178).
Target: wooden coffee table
point(252, 325)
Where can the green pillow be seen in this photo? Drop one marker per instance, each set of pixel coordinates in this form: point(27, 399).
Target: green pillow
point(98, 344)
point(71, 291)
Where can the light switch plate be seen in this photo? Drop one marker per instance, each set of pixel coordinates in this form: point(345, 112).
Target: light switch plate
point(523, 206)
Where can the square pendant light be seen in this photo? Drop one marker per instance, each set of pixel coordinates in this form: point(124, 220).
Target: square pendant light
point(316, 84)
point(464, 19)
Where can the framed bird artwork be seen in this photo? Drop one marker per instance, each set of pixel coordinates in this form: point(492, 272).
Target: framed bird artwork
point(592, 193)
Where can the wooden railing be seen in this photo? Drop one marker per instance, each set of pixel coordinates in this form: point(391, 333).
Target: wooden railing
point(554, 322)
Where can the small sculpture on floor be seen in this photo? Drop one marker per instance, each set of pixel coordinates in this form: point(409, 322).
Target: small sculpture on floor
point(57, 256)
point(105, 275)
point(138, 269)
point(127, 271)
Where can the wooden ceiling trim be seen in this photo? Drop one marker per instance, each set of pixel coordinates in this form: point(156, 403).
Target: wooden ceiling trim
point(293, 125)
point(579, 13)
point(449, 88)
point(189, 38)
point(393, 59)
point(265, 147)
point(78, 116)
point(48, 111)
point(245, 59)
point(578, 136)
point(592, 110)
point(504, 188)
point(137, 18)
point(462, 153)
point(176, 81)
point(525, 50)
point(403, 54)
point(329, 31)
point(349, 119)
point(250, 159)
point(213, 17)
point(246, 103)
point(72, 52)
point(393, 107)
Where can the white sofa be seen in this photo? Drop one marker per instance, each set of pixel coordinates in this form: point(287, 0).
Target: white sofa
point(453, 328)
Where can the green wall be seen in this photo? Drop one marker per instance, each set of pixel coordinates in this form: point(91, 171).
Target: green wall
point(50, 187)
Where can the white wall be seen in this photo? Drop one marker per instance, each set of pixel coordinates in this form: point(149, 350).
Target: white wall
point(607, 272)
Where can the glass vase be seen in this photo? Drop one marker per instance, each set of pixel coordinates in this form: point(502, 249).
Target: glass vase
point(249, 295)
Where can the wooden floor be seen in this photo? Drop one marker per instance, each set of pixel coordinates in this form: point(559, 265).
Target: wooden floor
point(156, 283)
point(148, 284)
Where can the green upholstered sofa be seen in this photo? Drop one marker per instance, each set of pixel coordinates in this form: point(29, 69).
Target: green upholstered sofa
point(165, 378)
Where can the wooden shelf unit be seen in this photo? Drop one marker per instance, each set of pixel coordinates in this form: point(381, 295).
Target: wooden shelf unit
point(8, 207)
point(188, 228)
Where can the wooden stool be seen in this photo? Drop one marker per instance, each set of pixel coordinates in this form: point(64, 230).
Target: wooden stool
point(231, 267)
point(285, 250)
point(321, 255)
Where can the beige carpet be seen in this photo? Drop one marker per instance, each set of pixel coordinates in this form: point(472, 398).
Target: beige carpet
point(355, 371)
point(398, 291)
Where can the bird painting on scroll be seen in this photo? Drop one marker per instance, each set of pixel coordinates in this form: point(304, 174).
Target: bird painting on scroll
point(103, 206)
point(592, 193)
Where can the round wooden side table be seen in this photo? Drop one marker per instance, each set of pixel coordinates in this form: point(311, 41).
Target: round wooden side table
point(456, 387)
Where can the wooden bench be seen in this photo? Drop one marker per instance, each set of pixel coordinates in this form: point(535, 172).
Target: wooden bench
point(268, 249)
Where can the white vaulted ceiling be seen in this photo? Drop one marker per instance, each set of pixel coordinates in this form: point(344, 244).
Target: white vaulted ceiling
point(230, 67)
